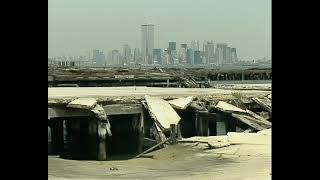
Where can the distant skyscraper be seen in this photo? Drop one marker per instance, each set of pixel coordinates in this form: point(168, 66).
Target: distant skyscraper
point(190, 56)
point(115, 57)
point(219, 56)
point(137, 56)
point(184, 46)
point(197, 57)
point(126, 54)
point(208, 48)
point(174, 57)
point(172, 46)
point(166, 57)
point(223, 47)
point(157, 56)
point(183, 54)
point(228, 55)
point(147, 41)
point(234, 57)
point(98, 57)
point(195, 45)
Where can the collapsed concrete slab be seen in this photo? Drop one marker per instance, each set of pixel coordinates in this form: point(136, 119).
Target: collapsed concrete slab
point(261, 137)
point(212, 141)
point(162, 112)
point(226, 107)
point(232, 138)
point(83, 103)
point(181, 103)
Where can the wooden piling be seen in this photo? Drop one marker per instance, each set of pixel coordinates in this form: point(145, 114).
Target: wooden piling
point(57, 137)
point(93, 136)
point(173, 134)
point(141, 132)
point(179, 136)
point(102, 132)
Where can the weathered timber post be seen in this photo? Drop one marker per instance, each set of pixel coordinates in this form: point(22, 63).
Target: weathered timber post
point(93, 136)
point(205, 126)
point(203, 123)
point(242, 76)
point(221, 125)
point(68, 138)
point(57, 137)
point(76, 139)
point(179, 136)
point(173, 134)
point(141, 132)
point(102, 132)
point(196, 122)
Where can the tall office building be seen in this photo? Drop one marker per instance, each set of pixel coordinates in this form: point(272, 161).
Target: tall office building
point(208, 49)
point(195, 45)
point(137, 56)
point(184, 46)
point(98, 57)
point(126, 54)
point(166, 57)
point(115, 57)
point(182, 54)
point(147, 41)
point(223, 47)
point(219, 56)
point(172, 46)
point(228, 55)
point(190, 56)
point(157, 56)
point(234, 57)
point(197, 57)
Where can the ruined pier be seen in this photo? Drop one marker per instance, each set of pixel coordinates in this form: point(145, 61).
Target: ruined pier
point(98, 122)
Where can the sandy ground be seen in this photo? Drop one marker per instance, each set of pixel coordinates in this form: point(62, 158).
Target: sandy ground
point(182, 161)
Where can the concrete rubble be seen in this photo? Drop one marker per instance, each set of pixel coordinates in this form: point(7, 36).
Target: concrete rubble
point(232, 138)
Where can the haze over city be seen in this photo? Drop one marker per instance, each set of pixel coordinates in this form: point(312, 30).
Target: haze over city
point(76, 26)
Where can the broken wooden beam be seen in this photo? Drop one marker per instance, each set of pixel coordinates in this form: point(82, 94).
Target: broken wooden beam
point(263, 104)
point(116, 109)
point(248, 120)
point(149, 142)
point(152, 148)
point(260, 119)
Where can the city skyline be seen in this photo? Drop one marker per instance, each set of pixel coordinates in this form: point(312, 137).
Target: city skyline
point(74, 29)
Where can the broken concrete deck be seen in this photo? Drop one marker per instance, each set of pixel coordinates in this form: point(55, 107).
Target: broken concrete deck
point(67, 94)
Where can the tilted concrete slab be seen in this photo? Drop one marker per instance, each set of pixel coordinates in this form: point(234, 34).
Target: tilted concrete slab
point(161, 111)
point(181, 103)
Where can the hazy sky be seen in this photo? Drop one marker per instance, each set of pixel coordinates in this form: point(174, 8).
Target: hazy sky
point(75, 26)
